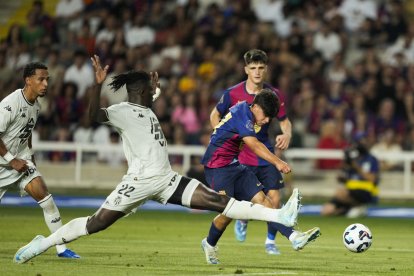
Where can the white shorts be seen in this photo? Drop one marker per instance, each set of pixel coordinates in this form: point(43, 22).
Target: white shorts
point(132, 192)
point(10, 178)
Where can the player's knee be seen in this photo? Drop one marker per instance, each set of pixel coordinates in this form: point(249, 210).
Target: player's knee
point(219, 199)
point(274, 197)
point(217, 202)
point(262, 199)
point(96, 224)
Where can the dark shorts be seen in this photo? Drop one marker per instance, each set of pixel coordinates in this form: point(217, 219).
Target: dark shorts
point(361, 196)
point(234, 180)
point(269, 176)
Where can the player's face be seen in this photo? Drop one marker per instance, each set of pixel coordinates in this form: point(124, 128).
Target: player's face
point(38, 82)
point(259, 116)
point(256, 72)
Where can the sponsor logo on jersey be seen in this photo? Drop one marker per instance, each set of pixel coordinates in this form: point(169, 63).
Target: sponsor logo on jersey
point(117, 200)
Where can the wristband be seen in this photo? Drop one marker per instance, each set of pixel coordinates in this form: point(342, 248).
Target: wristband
point(156, 94)
point(8, 157)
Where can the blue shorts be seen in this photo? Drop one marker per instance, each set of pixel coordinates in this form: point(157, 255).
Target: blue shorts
point(269, 176)
point(235, 180)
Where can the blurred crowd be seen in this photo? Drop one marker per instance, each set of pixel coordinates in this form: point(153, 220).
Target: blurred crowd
point(345, 66)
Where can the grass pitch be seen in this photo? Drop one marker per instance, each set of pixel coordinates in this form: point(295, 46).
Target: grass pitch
point(168, 243)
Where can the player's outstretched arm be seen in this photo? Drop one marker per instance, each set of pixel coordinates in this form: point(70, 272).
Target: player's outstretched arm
point(95, 113)
point(262, 151)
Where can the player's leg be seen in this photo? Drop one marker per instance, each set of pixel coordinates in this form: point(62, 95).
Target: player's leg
point(193, 194)
point(125, 198)
point(272, 181)
point(198, 196)
point(37, 189)
point(272, 228)
point(69, 232)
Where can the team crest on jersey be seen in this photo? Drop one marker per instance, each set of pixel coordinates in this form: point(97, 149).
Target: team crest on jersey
point(117, 200)
point(257, 128)
point(8, 108)
point(249, 125)
point(222, 192)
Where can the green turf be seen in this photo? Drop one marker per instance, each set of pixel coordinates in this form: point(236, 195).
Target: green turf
point(168, 243)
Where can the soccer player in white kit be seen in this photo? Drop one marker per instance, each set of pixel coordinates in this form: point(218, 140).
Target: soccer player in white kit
point(18, 115)
point(149, 175)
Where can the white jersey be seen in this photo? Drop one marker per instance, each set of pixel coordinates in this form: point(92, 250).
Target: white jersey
point(143, 141)
point(17, 119)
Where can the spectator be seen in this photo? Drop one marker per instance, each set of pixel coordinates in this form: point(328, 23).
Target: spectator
point(331, 138)
point(68, 106)
point(68, 15)
point(327, 42)
point(355, 11)
point(80, 72)
point(387, 144)
point(140, 33)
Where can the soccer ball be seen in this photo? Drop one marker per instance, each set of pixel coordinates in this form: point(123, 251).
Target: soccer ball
point(357, 238)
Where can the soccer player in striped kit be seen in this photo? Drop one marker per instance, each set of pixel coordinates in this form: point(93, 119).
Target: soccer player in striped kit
point(256, 69)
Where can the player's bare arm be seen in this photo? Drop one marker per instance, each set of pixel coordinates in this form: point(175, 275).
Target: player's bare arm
point(95, 113)
point(283, 140)
point(17, 164)
point(262, 151)
point(214, 117)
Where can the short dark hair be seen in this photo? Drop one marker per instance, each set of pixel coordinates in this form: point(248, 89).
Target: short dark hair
point(268, 101)
point(255, 56)
point(30, 69)
point(134, 81)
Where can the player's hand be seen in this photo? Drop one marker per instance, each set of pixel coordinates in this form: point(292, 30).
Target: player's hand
point(283, 166)
point(19, 165)
point(100, 73)
point(282, 141)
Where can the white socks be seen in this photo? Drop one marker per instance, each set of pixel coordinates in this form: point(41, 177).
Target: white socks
point(52, 217)
point(246, 210)
point(69, 232)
